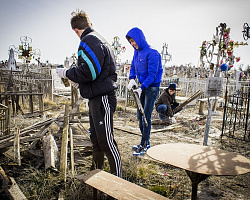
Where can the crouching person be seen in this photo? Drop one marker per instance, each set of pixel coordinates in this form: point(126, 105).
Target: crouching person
point(166, 103)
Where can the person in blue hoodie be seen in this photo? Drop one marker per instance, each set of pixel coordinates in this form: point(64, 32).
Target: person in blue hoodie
point(147, 68)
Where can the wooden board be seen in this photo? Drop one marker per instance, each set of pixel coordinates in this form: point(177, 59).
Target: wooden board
point(129, 129)
point(200, 159)
point(15, 192)
point(117, 187)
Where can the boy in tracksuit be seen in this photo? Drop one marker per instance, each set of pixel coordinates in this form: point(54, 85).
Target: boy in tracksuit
point(96, 78)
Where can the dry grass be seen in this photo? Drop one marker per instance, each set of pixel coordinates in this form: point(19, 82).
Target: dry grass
point(160, 178)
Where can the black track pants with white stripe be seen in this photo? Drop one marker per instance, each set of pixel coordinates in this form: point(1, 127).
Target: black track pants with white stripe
point(101, 110)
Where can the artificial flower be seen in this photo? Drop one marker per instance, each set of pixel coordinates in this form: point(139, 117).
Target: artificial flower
point(224, 67)
point(231, 43)
point(236, 44)
point(229, 53)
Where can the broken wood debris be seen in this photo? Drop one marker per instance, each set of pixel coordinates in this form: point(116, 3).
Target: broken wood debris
point(10, 187)
point(50, 151)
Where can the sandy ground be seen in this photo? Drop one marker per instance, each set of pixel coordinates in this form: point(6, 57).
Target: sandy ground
point(190, 128)
point(167, 180)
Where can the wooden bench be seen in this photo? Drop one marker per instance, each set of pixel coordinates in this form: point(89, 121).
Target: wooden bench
point(202, 104)
point(116, 187)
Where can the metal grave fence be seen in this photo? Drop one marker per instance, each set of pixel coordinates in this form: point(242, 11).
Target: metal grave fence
point(236, 119)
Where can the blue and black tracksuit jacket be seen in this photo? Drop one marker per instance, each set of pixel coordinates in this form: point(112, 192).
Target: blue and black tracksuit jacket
point(96, 67)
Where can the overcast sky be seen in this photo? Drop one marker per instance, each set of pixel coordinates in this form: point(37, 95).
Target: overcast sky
point(182, 24)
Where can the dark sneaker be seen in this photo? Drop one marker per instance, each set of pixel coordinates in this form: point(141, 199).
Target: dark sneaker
point(160, 116)
point(140, 151)
point(135, 147)
point(163, 117)
point(166, 119)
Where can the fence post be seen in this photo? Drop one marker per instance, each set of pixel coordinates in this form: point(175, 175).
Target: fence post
point(224, 115)
point(31, 99)
point(40, 97)
point(8, 116)
point(64, 144)
point(17, 147)
point(248, 105)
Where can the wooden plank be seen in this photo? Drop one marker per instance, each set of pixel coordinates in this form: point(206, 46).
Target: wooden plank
point(189, 100)
point(31, 100)
point(37, 113)
point(117, 187)
point(76, 106)
point(211, 98)
point(39, 134)
point(173, 126)
point(15, 192)
point(126, 130)
point(61, 195)
point(64, 144)
point(29, 128)
point(10, 154)
point(41, 104)
point(60, 124)
point(20, 94)
point(139, 105)
point(34, 138)
point(50, 151)
point(22, 140)
point(17, 158)
point(4, 177)
point(71, 152)
point(82, 143)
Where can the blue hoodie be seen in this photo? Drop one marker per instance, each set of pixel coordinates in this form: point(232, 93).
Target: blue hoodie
point(146, 64)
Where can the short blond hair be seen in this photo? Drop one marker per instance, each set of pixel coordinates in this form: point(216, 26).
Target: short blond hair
point(80, 20)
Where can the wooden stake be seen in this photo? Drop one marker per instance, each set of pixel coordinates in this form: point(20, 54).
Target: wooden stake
point(64, 144)
point(31, 99)
point(17, 158)
point(71, 152)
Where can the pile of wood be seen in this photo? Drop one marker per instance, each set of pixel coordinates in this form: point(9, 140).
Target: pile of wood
point(52, 149)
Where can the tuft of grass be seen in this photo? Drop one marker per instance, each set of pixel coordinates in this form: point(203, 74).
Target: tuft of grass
point(119, 108)
point(48, 103)
point(145, 171)
point(159, 189)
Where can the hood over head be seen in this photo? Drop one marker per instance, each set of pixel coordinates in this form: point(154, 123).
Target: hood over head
point(137, 35)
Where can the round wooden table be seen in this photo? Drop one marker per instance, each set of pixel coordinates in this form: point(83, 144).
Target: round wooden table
point(200, 161)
